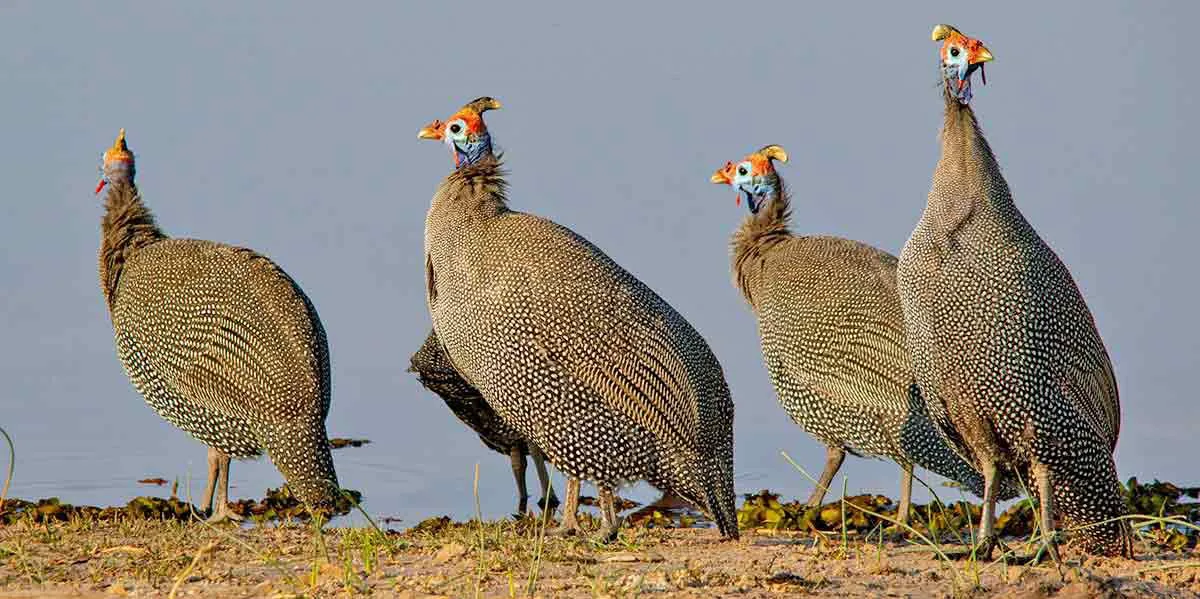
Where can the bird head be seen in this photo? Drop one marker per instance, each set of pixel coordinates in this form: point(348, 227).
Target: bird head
point(465, 132)
point(754, 178)
point(961, 56)
point(117, 164)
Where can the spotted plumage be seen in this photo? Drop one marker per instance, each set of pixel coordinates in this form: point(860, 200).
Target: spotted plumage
point(436, 373)
point(219, 341)
point(832, 334)
point(1005, 350)
point(569, 348)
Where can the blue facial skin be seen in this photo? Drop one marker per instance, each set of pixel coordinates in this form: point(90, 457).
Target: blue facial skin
point(469, 148)
point(756, 190)
point(955, 69)
point(117, 171)
point(472, 149)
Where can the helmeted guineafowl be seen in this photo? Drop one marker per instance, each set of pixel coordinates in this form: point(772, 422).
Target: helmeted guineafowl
point(436, 373)
point(832, 334)
point(219, 341)
point(569, 348)
point(1005, 350)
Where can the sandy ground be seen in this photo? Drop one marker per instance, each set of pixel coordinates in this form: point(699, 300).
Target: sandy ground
point(139, 558)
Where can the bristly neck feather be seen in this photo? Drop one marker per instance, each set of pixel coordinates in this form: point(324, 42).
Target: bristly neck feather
point(483, 186)
point(127, 227)
point(966, 153)
point(755, 238)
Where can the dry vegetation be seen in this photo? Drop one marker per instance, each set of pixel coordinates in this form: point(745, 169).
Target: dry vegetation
point(156, 547)
point(127, 556)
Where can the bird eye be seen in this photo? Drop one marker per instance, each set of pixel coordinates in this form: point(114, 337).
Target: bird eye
point(954, 52)
point(455, 128)
point(742, 171)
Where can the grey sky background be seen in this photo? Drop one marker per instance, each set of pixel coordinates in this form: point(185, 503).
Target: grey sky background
point(290, 127)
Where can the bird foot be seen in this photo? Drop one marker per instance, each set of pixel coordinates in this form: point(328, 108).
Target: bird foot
point(980, 552)
point(548, 503)
point(985, 548)
point(1048, 548)
point(224, 514)
point(608, 533)
point(566, 529)
point(895, 533)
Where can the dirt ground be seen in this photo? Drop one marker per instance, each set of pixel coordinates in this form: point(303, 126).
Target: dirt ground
point(140, 558)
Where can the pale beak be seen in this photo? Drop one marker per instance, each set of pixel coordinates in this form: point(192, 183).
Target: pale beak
point(981, 55)
point(721, 176)
point(434, 130)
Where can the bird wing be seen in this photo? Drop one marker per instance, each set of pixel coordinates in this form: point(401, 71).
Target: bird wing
point(1088, 381)
point(227, 329)
point(1078, 357)
point(836, 304)
point(606, 329)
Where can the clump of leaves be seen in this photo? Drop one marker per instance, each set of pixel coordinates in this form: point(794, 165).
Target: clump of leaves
point(1162, 499)
point(667, 517)
point(622, 504)
point(339, 442)
point(1018, 520)
point(1165, 499)
point(432, 526)
point(51, 509)
point(280, 504)
point(764, 510)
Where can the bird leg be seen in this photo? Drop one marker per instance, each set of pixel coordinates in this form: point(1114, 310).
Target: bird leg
point(905, 494)
point(610, 521)
point(987, 522)
point(548, 501)
point(570, 522)
point(902, 512)
point(517, 456)
point(1045, 489)
point(220, 510)
point(834, 456)
point(214, 460)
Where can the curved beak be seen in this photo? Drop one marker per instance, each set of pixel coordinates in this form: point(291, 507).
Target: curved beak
point(721, 176)
point(980, 55)
point(434, 130)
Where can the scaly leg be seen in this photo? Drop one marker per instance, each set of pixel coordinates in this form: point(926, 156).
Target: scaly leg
point(214, 460)
point(221, 511)
point(517, 456)
point(906, 478)
point(570, 523)
point(548, 501)
point(1045, 488)
point(987, 523)
point(834, 456)
point(610, 522)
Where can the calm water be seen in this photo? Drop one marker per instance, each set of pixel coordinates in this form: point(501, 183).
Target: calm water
point(252, 127)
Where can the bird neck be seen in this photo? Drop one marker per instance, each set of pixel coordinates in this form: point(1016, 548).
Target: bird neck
point(968, 188)
point(127, 227)
point(479, 150)
point(469, 197)
point(754, 239)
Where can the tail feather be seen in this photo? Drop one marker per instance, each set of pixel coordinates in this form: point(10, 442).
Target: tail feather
point(1087, 491)
point(300, 450)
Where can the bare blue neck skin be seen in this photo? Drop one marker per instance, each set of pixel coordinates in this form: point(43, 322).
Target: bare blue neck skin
point(474, 150)
point(119, 172)
point(758, 192)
